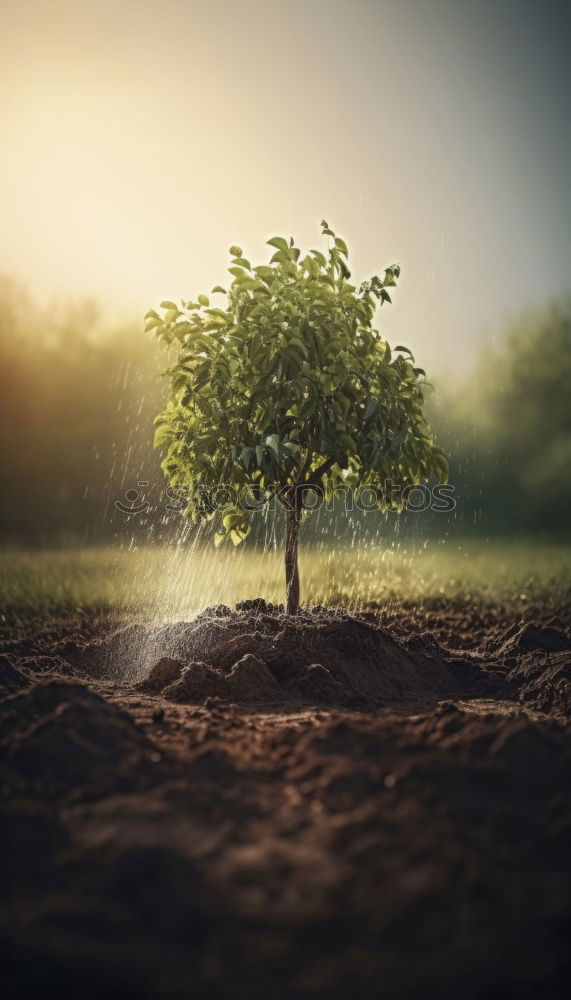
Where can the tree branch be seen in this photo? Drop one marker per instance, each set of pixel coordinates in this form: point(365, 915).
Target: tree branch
point(306, 465)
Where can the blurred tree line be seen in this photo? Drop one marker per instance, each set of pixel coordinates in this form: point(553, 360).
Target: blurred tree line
point(507, 428)
point(77, 403)
point(78, 400)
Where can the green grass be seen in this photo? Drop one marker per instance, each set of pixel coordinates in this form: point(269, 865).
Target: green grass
point(167, 583)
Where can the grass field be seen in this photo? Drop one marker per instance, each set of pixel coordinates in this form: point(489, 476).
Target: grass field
point(166, 583)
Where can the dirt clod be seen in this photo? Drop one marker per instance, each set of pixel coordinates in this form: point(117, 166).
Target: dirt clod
point(165, 672)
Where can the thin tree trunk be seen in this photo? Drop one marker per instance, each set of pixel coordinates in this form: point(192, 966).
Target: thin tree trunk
point(291, 567)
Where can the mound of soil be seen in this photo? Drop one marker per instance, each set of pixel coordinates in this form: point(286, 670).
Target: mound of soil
point(258, 655)
point(59, 736)
point(248, 682)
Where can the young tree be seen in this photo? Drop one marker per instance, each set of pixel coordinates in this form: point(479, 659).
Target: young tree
point(288, 387)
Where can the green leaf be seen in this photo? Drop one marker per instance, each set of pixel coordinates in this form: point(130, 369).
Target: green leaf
point(279, 243)
point(292, 448)
point(280, 258)
point(237, 535)
point(265, 272)
point(310, 265)
point(405, 350)
point(204, 300)
point(218, 288)
point(272, 441)
point(168, 305)
point(371, 409)
point(298, 346)
point(235, 251)
point(246, 457)
point(231, 519)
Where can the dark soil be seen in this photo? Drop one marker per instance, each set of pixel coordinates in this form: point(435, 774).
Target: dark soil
point(253, 805)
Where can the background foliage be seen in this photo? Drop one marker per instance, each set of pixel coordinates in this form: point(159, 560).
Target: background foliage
point(508, 428)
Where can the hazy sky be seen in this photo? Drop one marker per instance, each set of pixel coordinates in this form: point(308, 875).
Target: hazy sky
point(141, 138)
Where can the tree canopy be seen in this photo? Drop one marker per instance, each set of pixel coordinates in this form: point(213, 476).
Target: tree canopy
point(281, 380)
